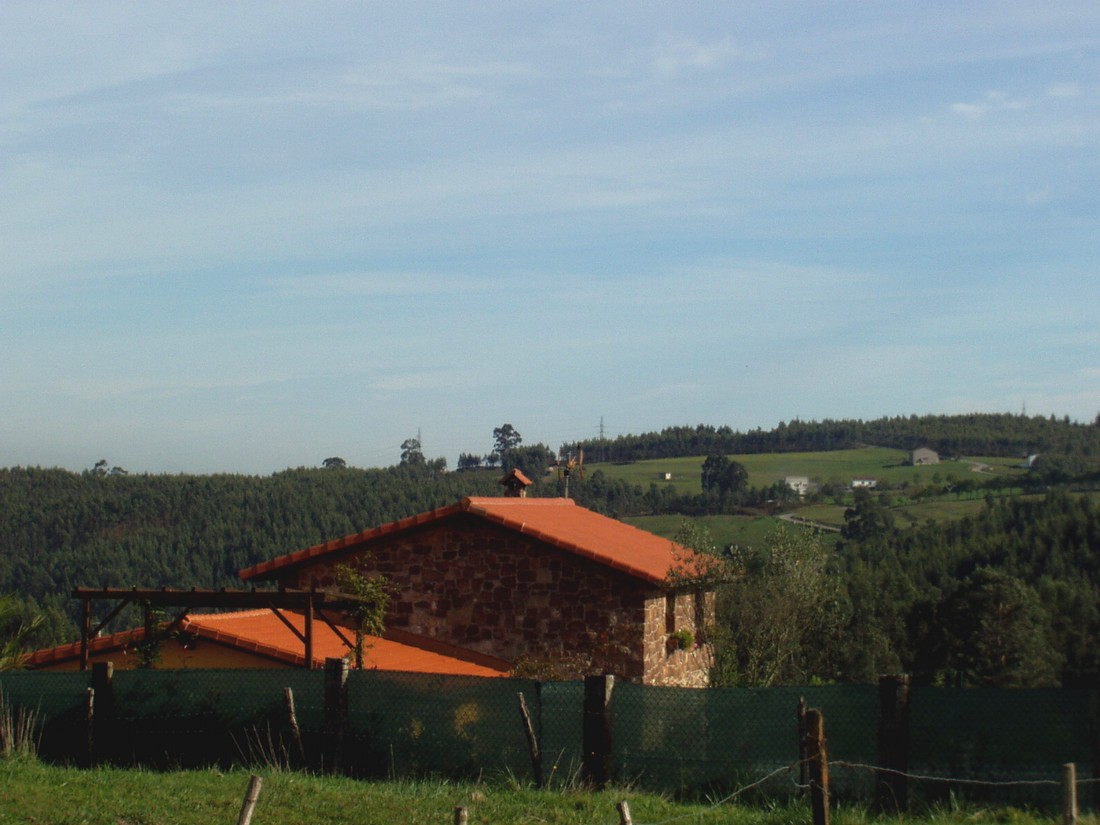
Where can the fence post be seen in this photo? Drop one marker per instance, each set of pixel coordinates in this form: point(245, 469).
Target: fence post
point(624, 813)
point(892, 782)
point(803, 765)
point(1069, 794)
point(102, 715)
point(819, 766)
point(336, 712)
point(292, 720)
point(251, 795)
point(532, 740)
point(1094, 745)
point(460, 815)
point(596, 739)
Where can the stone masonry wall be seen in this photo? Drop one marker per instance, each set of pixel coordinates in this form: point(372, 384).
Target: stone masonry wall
point(489, 589)
point(667, 660)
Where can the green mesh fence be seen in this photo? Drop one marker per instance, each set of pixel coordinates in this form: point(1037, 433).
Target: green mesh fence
point(402, 724)
point(718, 740)
point(675, 740)
point(997, 736)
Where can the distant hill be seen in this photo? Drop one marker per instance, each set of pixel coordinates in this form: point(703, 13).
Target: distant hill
point(985, 434)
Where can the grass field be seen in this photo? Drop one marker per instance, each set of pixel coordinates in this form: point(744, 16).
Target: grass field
point(833, 467)
point(837, 467)
point(32, 793)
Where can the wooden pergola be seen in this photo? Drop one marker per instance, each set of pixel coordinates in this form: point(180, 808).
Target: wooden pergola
point(311, 603)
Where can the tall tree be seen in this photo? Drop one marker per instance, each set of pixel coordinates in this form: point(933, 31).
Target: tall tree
point(505, 438)
point(411, 454)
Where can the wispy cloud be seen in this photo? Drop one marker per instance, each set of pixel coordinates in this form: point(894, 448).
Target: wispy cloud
point(993, 101)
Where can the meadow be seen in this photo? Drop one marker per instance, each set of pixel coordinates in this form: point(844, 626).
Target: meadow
point(836, 468)
point(35, 793)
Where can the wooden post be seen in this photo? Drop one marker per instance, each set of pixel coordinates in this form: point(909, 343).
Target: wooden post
point(89, 727)
point(85, 632)
point(1094, 745)
point(102, 720)
point(309, 630)
point(336, 712)
point(532, 740)
point(1069, 794)
point(803, 764)
point(596, 739)
point(624, 813)
point(292, 719)
point(460, 815)
point(819, 766)
point(892, 782)
point(251, 794)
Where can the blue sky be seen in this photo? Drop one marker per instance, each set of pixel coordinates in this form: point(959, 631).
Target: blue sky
point(244, 237)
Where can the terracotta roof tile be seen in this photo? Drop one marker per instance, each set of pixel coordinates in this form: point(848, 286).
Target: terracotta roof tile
point(559, 522)
point(261, 632)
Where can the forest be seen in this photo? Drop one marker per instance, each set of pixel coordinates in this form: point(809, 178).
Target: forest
point(1007, 597)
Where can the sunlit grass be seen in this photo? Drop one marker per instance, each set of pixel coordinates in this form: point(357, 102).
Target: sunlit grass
point(34, 792)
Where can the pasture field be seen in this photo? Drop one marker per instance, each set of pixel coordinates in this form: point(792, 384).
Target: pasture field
point(33, 793)
point(749, 531)
point(832, 467)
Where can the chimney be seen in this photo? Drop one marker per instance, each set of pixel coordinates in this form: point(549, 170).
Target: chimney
point(515, 484)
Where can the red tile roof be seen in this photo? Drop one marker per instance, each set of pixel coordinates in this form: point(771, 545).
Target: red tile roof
point(556, 521)
point(262, 633)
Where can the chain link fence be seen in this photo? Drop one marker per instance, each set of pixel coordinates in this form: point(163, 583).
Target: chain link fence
point(690, 742)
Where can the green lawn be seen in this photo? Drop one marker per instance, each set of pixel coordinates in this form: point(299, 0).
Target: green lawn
point(32, 793)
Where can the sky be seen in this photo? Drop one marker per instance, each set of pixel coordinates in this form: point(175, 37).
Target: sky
point(242, 237)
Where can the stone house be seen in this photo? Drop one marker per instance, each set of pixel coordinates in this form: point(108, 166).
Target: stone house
point(922, 456)
point(554, 589)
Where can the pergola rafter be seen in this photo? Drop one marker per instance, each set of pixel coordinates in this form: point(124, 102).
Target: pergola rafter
point(312, 603)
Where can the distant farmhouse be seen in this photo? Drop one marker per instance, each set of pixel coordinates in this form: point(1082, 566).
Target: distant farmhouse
point(922, 456)
point(864, 483)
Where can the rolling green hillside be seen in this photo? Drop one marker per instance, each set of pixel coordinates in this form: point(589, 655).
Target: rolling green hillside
point(836, 467)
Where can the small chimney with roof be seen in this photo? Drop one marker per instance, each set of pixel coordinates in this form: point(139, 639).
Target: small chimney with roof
point(515, 484)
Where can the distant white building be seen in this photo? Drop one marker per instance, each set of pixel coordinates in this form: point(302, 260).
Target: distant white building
point(864, 482)
point(799, 484)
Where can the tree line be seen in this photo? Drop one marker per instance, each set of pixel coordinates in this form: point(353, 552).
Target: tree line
point(979, 434)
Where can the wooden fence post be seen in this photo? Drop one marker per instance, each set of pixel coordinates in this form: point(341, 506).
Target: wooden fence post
point(102, 715)
point(596, 739)
point(803, 764)
point(336, 713)
point(292, 719)
point(532, 740)
point(892, 782)
point(624, 813)
point(89, 727)
point(819, 766)
point(1094, 745)
point(1069, 794)
point(460, 815)
point(251, 795)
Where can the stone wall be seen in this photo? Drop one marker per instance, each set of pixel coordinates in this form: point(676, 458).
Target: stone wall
point(671, 657)
point(489, 589)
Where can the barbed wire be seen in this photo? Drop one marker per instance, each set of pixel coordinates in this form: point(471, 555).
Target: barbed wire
point(862, 766)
